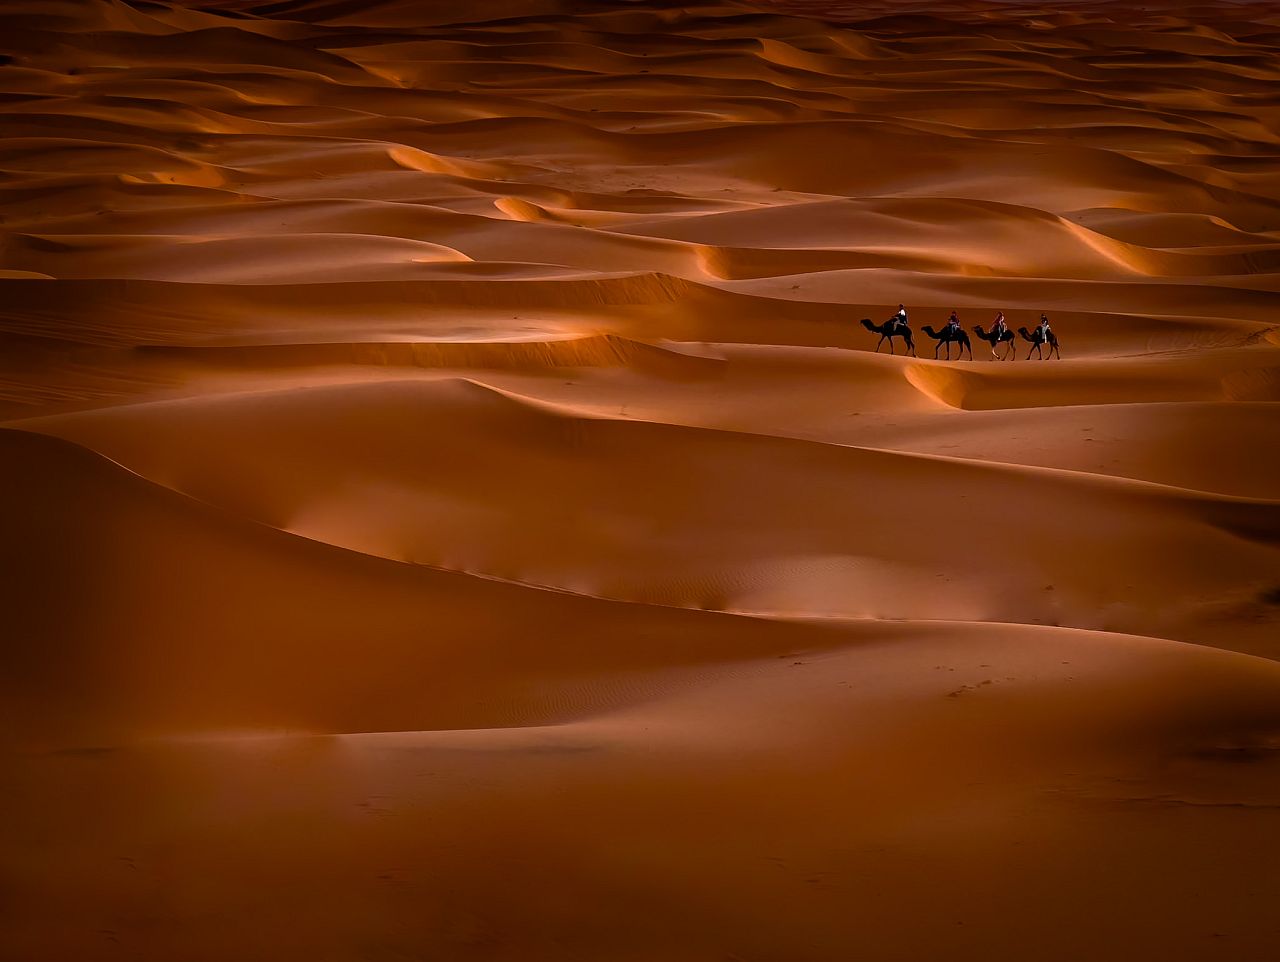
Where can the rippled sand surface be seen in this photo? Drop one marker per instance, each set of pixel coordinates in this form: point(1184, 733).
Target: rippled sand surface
point(453, 510)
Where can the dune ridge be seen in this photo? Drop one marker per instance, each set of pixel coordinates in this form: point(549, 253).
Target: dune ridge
point(455, 511)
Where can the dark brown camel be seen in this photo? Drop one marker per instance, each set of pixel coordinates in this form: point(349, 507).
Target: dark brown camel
point(1006, 337)
point(891, 328)
point(946, 336)
point(1038, 342)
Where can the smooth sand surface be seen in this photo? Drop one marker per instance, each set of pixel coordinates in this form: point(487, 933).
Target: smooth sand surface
point(453, 510)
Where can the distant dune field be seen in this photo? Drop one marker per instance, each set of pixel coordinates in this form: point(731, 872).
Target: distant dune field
point(454, 511)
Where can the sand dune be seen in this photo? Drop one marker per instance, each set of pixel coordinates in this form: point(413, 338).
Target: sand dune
point(162, 546)
point(411, 471)
point(455, 511)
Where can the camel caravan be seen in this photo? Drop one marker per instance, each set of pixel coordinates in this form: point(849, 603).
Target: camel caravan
point(1044, 343)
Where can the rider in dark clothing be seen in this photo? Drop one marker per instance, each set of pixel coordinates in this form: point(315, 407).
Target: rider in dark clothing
point(953, 323)
point(900, 319)
point(998, 331)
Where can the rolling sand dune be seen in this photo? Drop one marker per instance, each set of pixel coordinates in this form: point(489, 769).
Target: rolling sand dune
point(454, 510)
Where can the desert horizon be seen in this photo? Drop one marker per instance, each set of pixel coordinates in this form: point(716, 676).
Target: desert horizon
point(468, 494)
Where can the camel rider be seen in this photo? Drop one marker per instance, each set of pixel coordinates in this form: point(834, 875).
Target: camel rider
point(1042, 332)
point(1000, 327)
point(953, 323)
point(900, 319)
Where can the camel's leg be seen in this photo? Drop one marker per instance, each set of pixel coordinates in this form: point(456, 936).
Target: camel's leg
point(878, 343)
point(891, 344)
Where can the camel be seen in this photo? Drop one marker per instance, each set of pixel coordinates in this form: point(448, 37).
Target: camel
point(891, 328)
point(946, 336)
point(1038, 343)
point(1005, 338)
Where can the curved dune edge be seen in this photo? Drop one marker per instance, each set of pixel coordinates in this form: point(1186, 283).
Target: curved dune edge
point(812, 708)
point(968, 387)
point(392, 479)
point(605, 350)
point(179, 525)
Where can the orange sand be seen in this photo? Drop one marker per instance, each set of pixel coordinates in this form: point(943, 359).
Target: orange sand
point(453, 511)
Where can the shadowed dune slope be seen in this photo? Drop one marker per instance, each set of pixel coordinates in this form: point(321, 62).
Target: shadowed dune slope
point(148, 559)
point(412, 471)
